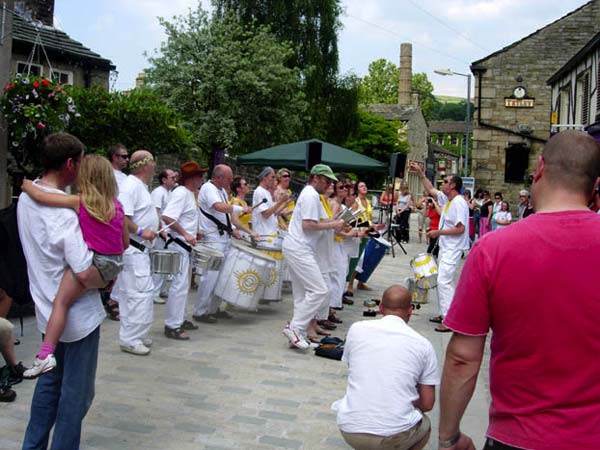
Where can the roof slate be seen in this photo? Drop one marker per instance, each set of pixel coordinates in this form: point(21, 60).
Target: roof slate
point(447, 126)
point(57, 40)
point(393, 112)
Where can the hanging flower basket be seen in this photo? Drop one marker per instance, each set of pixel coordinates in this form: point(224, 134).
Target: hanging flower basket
point(33, 108)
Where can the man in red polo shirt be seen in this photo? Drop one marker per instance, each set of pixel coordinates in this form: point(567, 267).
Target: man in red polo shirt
point(533, 285)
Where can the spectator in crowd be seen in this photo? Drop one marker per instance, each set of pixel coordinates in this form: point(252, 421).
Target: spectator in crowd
point(525, 207)
point(392, 374)
point(544, 362)
point(486, 212)
point(497, 206)
point(503, 217)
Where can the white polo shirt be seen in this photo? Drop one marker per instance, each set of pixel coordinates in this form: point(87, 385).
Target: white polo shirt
point(308, 207)
point(386, 360)
point(259, 224)
point(457, 211)
point(120, 177)
point(137, 205)
point(160, 197)
point(52, 242)
point(182, 208)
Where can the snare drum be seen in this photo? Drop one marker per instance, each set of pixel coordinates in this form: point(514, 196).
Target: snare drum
point(425, 269)
point(206, 258)
point(166, 262)
point(243, 276)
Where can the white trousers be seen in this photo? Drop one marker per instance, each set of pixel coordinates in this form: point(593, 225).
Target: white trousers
point(136, 304)
point(178, 292)
point(338, 281)
point(447, 263)
point(309, 289)
point(206, 302)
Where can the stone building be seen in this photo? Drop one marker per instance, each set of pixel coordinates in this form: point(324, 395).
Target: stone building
point(513, 99)
point(413, 127)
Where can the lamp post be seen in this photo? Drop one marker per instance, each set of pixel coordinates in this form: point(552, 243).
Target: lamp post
point(447, 72)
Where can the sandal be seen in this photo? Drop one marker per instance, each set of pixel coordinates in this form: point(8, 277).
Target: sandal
point(322, 332)
point(363, 287)
point(436, 319)
point(176, 333)
point(442, 329)
point(348, 294)
point(112, 310)
point(314, 339)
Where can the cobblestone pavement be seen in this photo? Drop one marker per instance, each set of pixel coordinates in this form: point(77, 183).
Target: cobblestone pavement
point(234, 385)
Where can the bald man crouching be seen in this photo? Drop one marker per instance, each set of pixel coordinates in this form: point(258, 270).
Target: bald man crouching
point(392, 374)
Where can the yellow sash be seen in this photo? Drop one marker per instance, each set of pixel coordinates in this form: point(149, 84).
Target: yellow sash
point(330, 215)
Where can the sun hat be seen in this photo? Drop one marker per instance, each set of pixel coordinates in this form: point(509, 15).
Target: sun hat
point(323, 169)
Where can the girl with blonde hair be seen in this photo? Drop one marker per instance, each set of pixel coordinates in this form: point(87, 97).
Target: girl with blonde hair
point(101, 219)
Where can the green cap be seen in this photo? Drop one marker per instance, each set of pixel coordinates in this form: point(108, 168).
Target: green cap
point(323, 169)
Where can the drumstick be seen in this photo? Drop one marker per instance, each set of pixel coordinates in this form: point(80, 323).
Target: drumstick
point(165, 228)
point(264, 200)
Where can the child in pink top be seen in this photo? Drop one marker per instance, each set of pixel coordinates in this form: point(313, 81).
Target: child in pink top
point(101, 219)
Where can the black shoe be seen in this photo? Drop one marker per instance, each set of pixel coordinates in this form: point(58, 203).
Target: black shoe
point(7, 395)
point(223, 315)
point(187, 325)
point(205, 318)
point(334, 319)
point(347, 301)
point(16, 373)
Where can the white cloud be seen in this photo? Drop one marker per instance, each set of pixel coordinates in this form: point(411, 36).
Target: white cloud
point(104, 23)
point(481, 9)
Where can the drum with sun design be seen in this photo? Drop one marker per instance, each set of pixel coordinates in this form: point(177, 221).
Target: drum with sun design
point(243, 276)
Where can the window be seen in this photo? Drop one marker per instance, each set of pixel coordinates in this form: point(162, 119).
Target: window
point(582, 99)
point(516, 163)
point(453, 139)
point(62, 77)
point(34, 69)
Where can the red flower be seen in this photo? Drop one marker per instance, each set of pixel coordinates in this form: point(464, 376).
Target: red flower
point(36, 84)
point(8, 87)
point(41, 126)
point(45, 82)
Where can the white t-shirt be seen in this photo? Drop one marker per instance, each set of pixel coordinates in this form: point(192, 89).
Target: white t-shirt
point(120, 177)
point(182, 208)
point(308, 207)
point(503, 215)
point(386, 360)
point(259, 224)
point(452, 214)
point(137, 205)
point(52, 242)
point(209, 195)
point(160, 197)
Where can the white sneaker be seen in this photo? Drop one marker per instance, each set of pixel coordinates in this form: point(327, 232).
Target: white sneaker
point(139, 349)
point(159, 301)
point(295, 339)
point(40, 367)
point(147, 342)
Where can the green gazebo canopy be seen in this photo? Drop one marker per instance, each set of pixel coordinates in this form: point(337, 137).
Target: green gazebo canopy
point(293, 157)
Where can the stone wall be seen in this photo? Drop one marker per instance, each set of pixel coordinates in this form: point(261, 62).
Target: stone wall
point(533, 60)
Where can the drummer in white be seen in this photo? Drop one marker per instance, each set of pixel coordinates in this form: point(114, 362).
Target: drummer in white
point(309, 289)
point(216, 218)
point(135, 281)
point(160, 198)
point(264, 214)
point(181, 214)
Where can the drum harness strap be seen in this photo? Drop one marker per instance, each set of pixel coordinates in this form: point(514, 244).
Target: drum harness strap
point(179, 242)
point(220, 225)
point(141, 247)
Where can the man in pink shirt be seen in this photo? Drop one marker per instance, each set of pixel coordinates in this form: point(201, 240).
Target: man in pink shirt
point(542, 306)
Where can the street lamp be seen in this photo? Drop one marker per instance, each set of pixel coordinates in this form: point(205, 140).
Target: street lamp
point(447, 72)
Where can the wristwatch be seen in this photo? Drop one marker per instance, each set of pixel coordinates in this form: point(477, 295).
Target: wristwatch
point(450, 442)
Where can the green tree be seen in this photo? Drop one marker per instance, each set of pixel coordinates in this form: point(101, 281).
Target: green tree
point(138, 119)
point(376, 137)
point(311, 28)
point(229, 81)
point(380, 85)
point(451, 111)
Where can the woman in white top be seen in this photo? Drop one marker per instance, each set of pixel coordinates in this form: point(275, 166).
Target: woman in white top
point(404, 208)
point(503, 217)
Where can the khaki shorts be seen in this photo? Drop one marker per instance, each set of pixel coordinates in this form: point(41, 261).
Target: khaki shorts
point(401, 441)
point(5, 332)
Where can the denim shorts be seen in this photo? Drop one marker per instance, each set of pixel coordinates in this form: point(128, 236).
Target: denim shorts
point(109, 266)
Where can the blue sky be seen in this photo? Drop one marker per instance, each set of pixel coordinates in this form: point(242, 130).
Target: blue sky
point(445, 33)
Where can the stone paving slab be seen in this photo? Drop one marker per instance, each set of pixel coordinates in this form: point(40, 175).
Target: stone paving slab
point(234, 385)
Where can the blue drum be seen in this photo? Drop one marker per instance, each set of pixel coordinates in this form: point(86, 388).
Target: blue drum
point(374, 252)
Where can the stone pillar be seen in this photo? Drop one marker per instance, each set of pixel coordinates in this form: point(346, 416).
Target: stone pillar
point(5, 56)
point(405, 75)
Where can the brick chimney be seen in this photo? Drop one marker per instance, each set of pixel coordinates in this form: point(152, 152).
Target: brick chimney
point(42, 10)
point(140, 80)
point(405, 97)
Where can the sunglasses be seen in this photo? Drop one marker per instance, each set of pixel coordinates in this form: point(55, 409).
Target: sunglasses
point(123, 156)
point(285, 176)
